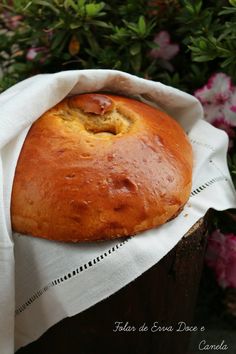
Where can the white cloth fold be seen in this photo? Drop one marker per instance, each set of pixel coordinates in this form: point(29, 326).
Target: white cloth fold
point(53, 280)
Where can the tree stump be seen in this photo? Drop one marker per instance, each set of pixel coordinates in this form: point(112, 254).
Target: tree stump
point(163, 296)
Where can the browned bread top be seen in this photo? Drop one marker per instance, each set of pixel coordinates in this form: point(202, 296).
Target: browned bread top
point(100, 166)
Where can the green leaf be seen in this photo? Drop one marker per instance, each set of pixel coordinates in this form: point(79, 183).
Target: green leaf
point(194, 49)
point(46, 4)
point(81, 3)
point(93, 43)
point(198, 6)
point(101, 24)
point(202, 44)
point(58, 38)
point(142, 25)
point(70, 3)
point(135, 48)
point(20, 67)
point(228, 11)
point(92, 10)
point(232, 2)
point(190, 8)
point(203, 58)
point(75, 25)
point(133, 27)
point(136, 62)
point(58, 24)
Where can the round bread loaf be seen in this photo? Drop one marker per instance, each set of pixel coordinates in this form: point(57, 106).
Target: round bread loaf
point(100, 166)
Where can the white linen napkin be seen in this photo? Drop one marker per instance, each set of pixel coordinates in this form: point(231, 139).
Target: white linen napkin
point(51, 280)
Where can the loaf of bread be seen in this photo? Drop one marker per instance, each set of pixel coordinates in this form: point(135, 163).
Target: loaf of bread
point(100, 166)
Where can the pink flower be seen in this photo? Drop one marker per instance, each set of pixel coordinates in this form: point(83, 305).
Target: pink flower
point(12, 22)
point(217, 90)
point(166, 50)
point(218, 98)
point(34, 51)
point(221, 257)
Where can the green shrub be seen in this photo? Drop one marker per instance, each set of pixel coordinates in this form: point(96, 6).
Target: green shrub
point(78, 34)
point(179, 42)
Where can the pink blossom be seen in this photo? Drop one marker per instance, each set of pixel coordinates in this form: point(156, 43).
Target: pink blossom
point(12, 22)
point(230, 107)
point(166, 50)
point(221, 257)
point(34, 51)
point(218, 98)
point(217, 90)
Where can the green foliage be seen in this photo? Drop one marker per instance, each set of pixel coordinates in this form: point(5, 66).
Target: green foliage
point(81, 34)
point(211, 33)
point(104, 37)
point(77, 34)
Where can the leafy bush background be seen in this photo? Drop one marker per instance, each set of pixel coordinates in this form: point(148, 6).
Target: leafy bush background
point(80, 34)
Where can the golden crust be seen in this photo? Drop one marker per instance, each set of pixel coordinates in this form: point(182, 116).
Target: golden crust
point(99, 166)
